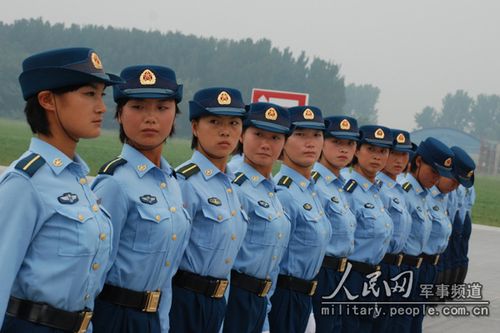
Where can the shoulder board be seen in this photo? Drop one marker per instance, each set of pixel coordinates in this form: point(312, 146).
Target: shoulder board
point(30, 164)
point(240, 178)
point(407, 186)
point(285, 181)
point(188, 170)
point(350, 185)
point(109, 167)
point(315, 176)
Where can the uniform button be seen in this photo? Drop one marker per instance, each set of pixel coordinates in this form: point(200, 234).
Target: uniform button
point(303, 184)
point(80, 217)
point(229, 190)
point(83, 181)
point(270, 217)
point(352, 242)
point(321, 214)
point(167, 264)
point(233, 213)
point(219, 217)
point(280, 235)
point(375, 195)
point(163, 185)
point(87, 296)
point(341, 190)
point(381, 209)
point(227, 261)
point(102, 236)
point(280, 214)
point(95, 208)
point(274, 257)
point(157, 217)
point(173, 209)
point(387, 225)
point(95, 266)
point(233, 237)
point(314, 194)
point(174, 237)
point(268, 277)
point(271, 194)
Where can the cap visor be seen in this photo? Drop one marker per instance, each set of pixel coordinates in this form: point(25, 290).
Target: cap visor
point(229, 111)
point(269, 127)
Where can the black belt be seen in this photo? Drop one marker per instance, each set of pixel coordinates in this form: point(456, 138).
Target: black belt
point(335, 263)
point(146, 301)
point(206, 285)
point(414, 261)
point(363, 267)
point(393, 259)
point(250, 283)
point(300, 285)
point(430, 259)
point(46, 315)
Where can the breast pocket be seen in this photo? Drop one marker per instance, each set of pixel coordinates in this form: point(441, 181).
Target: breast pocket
point(262, 228)
point(78, 231)
point(309, 228)
point(418, 217)
point(152, 229)
point(367, 221)
point(210, 230)
point(336, 215)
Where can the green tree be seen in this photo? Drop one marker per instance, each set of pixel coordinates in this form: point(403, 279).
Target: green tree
point(456, 111)
point(426, 118)
point(486, 117)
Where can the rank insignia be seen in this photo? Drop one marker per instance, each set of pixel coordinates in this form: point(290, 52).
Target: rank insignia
point(308, 114)
point(345, 125)
point(214, 201)
point(369, 205)
point(307, 206)
point(447, 163)
point(147, 78)
point(419, 209)
point(379, 134)
point(262, 203)
point(57, 162)
point(271, 114)
point(96, 61)
point(224, 98)
point(396, 201)
point(400, 138)
point(435, 208)
point(148, 199)
point(68, 198)
point(335, 199)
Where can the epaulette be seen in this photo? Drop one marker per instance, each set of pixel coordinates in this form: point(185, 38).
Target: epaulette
point(350, 186)
point(109, 167)
point(315, 176)
point(188, 170)
point(30, 164)
point(407, 186)
point(240, 178)
point(285, 181)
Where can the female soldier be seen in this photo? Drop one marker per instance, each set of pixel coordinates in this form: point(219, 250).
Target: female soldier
point(55, 241)
point(257, 264)
point(310, 229)
point(218, 222)
point(140, 191)
point(341, 135)
point(392, 196)
point(374, 225)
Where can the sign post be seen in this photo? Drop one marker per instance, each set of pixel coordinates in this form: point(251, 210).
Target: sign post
point(282, 98)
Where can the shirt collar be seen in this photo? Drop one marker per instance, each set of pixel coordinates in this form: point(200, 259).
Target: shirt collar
point(414, 183)
point(254, 176)
point(56, 159)
point(207, 168)
point(388, 181)
point(436, 193)
point(141, 163)
point(364, 183)
point(325, 173)
point(302, 182)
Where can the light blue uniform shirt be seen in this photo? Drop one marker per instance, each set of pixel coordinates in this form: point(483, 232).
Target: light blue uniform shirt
point(416, 201)
point(268, 227)
point(311, 230)
point(441, 224)
point(392, 195)
point(50, 240)
point(218, 222)
point(236, 162)
point(150, 225)
point(337, 210)
point(374, 225)
point(466, 198)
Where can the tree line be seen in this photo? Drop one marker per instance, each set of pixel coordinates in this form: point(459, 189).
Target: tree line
point(199, 62)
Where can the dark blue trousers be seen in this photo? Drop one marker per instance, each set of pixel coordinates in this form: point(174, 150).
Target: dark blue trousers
point(111, 318)
point(427, 276)
point(15, 325)
point(383, 322)
point(245, 312)
point(290, 311)
point(331, 321)
point(194, 313)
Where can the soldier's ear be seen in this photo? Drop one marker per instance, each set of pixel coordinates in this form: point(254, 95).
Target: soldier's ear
point(46, 99)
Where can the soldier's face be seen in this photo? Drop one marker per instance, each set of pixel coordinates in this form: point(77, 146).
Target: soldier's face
point(371, 159)
point(262, 148)
point(217, 135)
point(396, 163)
point(338, 152)
point(446, 185)
point(426, 175)
point(303, 147)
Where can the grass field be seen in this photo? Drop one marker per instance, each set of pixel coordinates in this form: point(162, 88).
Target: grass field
point(15, 137)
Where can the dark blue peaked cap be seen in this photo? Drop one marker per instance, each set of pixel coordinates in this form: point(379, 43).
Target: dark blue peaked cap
point(463, 167)
point(376, 135)
point(437, 155)
point(269, 117)
point(219, 101)
point(61, 68)
point(341, 127)
point(148, 81)
point(306, 117)
point(401, 141)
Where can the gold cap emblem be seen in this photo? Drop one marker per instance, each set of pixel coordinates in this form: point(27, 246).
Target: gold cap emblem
point(224, 98)
point(147, 78)
point(95, 60)
point(57, 162)
point(379, 134)
point(447, 162)
point(308, 114)
point(470, 174)
point(400, 138)
point(345, 125)
point(271, 114)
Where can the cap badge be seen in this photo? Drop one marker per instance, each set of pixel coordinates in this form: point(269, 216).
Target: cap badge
point(147, 78)
point(379, 134)
point(400, 138)
point(308, 114)
point(224, 98)
point(271, 114)
point(447, 162)
point(345, 125)
point(470, 173)
point(95, 60)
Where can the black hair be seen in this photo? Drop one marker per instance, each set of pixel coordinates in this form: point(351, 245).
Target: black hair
point(413, 164)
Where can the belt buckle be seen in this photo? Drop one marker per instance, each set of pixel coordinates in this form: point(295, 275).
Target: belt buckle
point(152, 301)
point(220, 289)
point(265, 290)
point(313, 288)
point(436, 260)
point(419, 262)
point(342, 265)
point(86, 317)
point(377, 268)
point(400, 259)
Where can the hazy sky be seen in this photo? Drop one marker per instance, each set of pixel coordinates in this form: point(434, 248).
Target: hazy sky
point(414, 51)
